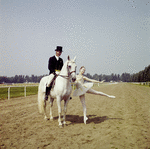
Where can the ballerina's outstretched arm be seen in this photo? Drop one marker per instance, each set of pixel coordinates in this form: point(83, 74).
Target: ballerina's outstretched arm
point(92, 80)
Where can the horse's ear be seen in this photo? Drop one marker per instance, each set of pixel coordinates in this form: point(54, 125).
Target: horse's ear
point(68, 58)
point(74, 59)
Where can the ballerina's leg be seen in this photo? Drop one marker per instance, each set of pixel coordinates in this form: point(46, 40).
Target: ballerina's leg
point(91, 91)
point(82, 99)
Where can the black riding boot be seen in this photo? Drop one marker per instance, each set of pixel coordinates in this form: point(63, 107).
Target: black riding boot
point(49, 88)
point(47, 92)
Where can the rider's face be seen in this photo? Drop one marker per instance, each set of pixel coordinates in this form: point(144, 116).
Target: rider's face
point(58, 53)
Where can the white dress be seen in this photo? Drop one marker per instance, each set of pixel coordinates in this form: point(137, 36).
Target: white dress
point(81, 87)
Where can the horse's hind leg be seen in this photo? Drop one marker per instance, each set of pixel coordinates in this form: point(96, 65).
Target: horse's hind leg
point(51, 105)
point(45, 117)
point(65, 110)
point(82, 99)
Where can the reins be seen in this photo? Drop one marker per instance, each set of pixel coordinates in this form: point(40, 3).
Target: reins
point(66, 77)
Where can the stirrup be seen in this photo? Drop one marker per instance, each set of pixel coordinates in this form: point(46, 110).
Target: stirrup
point(46, 97)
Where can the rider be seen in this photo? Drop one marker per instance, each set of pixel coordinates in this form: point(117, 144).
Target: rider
point(54, 65)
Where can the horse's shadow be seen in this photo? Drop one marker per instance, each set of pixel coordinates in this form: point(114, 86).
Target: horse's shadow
point(75, 119)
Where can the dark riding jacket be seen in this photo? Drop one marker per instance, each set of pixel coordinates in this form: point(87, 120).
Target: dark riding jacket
point(54, 65)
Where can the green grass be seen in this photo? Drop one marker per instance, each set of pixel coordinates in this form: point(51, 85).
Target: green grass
point(18, 92)
point(146, 84)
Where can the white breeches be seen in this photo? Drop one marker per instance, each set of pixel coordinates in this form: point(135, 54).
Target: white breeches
point(50, 78)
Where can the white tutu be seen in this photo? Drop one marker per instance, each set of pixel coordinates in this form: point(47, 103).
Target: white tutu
point(82, 88)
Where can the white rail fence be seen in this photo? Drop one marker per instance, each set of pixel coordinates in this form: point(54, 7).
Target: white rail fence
point(73, 87)
point(25, 91)
point(24, 86)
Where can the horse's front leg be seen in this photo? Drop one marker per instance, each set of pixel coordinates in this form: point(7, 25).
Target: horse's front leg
point(65, 109)
point(51, 105)
point(82, 99)
point(59, 110)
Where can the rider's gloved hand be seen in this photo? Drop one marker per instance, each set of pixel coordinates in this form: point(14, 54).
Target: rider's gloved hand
point(57, 72)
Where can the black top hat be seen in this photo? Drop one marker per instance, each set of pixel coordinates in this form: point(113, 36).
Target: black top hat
point(59, 48)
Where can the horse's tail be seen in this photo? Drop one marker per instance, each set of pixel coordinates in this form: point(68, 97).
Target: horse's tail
point(41, 95)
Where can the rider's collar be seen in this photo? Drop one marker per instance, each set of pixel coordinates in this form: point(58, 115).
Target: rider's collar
point(57, 57)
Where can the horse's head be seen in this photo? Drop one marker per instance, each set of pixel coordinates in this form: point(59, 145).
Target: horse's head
point(71, 65)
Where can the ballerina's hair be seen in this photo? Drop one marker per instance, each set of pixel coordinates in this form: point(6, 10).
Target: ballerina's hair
point(82, 67)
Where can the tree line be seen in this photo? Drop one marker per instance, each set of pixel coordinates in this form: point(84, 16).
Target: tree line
point(20, 79)
point(142, 76)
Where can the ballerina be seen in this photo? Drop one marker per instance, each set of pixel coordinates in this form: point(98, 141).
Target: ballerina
point(82, 88)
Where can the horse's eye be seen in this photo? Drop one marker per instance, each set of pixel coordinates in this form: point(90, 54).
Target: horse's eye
point(69, 67)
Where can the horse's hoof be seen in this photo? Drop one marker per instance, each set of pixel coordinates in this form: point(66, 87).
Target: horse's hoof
point(60, 126)
point(51, 119)
point(64, 123)
point(45, 118)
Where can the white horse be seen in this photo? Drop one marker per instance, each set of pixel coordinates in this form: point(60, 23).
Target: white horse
point(61, 91)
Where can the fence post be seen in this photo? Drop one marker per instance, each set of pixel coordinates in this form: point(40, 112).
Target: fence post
point(24, 91)
point(8, 93)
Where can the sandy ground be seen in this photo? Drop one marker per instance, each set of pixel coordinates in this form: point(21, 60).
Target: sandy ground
point(120, 123)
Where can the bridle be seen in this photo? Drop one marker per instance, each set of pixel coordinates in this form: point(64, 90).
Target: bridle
point(72, 72)
point(67, 77)
point(69, 73)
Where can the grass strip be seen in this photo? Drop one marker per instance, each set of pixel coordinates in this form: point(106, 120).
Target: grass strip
point(18, 92)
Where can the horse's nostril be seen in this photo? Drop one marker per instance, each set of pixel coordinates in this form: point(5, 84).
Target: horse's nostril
point(73, 79)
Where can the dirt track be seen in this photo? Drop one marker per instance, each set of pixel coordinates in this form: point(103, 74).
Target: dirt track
point(120, 123)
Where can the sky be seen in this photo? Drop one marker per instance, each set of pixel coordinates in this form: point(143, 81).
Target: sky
point(106, 36)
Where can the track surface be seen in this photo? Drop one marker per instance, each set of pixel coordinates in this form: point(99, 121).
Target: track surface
point(121, 123)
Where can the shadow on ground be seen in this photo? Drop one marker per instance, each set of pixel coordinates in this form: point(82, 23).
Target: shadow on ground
point(75, 119)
